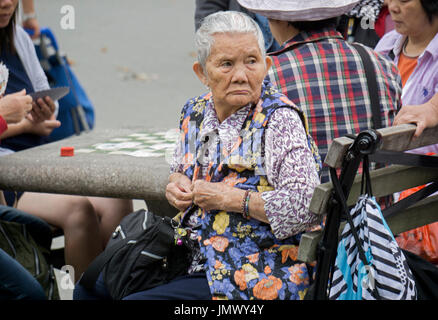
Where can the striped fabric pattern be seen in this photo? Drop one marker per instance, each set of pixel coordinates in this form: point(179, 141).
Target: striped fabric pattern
point(386, 276)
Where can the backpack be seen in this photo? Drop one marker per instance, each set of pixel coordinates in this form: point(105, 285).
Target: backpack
point(17, 241)
point(145, 250)
point(76, 112)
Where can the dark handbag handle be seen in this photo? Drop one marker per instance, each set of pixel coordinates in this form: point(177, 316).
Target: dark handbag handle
point(90, 276)
point(339, 194)
point(372, 85)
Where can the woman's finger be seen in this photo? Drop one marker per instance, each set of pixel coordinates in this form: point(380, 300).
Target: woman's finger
point(45, 109)
point(50, 103)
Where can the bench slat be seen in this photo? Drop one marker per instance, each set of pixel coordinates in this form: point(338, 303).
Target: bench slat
point(308, 245)
point(398, 138)
point(420, 214)
point(384, 181)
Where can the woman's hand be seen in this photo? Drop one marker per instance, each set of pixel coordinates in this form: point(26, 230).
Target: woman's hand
point(26, 125)
point(423, 115)
point(216, 196)
point(178, 191)
point(42, 109)
point(14, 107)
point(43, 128)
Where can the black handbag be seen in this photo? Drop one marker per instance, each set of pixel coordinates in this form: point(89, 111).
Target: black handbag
point(146, 250)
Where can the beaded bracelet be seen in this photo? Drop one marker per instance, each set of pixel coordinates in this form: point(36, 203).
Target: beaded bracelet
point(245, 204)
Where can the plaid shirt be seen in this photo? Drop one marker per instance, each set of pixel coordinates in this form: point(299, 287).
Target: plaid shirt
point(324, 75)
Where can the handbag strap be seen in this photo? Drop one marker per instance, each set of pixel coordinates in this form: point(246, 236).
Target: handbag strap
point(339, 194)
point(372, 84)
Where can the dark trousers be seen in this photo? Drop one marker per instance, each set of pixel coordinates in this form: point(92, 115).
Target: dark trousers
point(189, 287)
point(15, 281)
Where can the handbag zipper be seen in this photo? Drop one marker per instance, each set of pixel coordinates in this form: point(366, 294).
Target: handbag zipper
point(52, 280)
point(154, 256)
point(35, 252)
point(117, 231)
point(14, 252)
point(37, 262)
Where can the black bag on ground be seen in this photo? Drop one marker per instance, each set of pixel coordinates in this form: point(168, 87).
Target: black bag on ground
point(141, 254)
point(18, 241)
point(425, 274)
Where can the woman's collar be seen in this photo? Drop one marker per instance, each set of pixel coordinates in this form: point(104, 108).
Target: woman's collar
point(432, 47)
point(211, 122)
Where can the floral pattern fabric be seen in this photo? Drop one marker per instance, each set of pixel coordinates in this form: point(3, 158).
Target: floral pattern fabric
point(248, 259)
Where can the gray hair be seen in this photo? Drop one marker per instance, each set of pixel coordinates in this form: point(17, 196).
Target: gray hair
point(225, 22)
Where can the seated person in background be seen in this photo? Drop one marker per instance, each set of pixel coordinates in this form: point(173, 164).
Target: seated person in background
point(25, 72)
point(322, 73)
point(413, 46)
point(87, 222)
point(244, 172)
point(13, 107)
point(15, 281)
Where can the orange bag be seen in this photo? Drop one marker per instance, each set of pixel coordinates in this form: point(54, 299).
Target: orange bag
point(422, 241)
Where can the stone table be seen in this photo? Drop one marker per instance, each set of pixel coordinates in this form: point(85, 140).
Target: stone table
point(128, 163)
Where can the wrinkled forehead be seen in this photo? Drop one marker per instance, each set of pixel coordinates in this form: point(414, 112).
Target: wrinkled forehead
point(234, 43)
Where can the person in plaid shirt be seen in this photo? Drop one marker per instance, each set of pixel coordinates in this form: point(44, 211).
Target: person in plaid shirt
point(322, 73)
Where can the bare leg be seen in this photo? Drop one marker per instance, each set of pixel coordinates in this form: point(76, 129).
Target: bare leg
point(76, 216)
point(110, 211)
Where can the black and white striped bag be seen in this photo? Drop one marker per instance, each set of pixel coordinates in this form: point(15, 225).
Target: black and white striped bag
point(369, 263)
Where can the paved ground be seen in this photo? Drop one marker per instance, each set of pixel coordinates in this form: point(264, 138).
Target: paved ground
point(134, 59)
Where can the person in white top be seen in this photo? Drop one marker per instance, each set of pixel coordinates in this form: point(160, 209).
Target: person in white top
point(87, 222)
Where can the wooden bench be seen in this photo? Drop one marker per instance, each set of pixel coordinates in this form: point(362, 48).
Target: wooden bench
point(385, 181)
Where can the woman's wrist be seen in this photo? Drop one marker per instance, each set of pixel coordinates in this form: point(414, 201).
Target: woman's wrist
point(231, 199)
point(245, 204)
point(237, 200)
point(28, 16)
point(432, 114)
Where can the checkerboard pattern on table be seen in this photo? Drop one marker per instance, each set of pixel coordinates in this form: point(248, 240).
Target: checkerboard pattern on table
point(143, 144)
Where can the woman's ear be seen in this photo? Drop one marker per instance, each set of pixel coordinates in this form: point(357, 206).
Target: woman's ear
point(268, 63)
point(199, 70)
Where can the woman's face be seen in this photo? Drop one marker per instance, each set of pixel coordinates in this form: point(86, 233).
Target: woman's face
point(7, 9)
point(409, 16)
point(235, 70)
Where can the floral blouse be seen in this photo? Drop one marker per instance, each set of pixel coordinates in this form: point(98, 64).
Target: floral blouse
point(290, 166)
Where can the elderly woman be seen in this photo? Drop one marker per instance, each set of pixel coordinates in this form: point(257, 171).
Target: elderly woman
point(249, 176)
point(243, 174)
point(413, 46)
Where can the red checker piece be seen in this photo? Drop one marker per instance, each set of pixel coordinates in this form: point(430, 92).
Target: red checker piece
point(67, 151)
